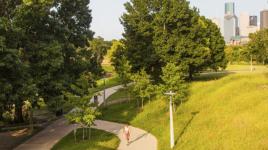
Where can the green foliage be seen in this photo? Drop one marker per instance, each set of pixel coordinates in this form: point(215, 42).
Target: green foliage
point(99, 47)
point(45, 46)
point(158, 32)
point(84, 113)
point(138, 37)
point(237, 54)
point(141, 86)
point(173, 81)
point(258, 47)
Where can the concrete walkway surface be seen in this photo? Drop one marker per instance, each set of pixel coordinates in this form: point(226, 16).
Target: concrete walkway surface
point(47, 138)
point(139, 139)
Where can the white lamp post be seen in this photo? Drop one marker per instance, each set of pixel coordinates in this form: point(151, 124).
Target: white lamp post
point(104, 96)
point(170, 94)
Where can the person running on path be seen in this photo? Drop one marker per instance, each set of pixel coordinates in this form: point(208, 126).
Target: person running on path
point(127, 133)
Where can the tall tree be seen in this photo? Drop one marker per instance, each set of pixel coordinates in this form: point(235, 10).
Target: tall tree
point(170, 31)
point(99, 48)
point(42, 51)
point(141, 83)
point(174, 81)
point(138, 37)
point(258, 47)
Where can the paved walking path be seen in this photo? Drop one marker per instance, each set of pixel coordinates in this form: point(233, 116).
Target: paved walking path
point(46, 139)
point(139, 139)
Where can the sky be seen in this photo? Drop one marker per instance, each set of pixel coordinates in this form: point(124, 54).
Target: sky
point(106, 13)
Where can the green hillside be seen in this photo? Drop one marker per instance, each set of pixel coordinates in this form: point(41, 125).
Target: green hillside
point(228, 113)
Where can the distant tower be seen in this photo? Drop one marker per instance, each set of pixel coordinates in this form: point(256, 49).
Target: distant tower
point(264, 19)
point(230, 22)
point(229, 8)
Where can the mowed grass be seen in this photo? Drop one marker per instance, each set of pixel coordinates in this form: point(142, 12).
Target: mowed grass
point(258, 68)
point(121, 94)
point(100, 140)
point(229, 113)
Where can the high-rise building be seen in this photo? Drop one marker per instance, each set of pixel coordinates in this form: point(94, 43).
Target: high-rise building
point(248, 24)
point(264, 19)
point(230, 22)
point(229, 8)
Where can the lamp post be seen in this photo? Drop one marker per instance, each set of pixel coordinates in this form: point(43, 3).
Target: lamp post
point(170, 94)
point(104, 101)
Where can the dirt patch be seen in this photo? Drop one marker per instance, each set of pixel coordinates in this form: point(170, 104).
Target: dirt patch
point(11, 139)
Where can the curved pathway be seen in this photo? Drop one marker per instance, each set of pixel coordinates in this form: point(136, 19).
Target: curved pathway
point(47, 138)
point(139, 139)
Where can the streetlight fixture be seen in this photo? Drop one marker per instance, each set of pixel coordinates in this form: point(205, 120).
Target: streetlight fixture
point(170, 94)
point(104, 101)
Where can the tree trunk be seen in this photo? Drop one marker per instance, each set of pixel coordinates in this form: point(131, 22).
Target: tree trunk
point(18, 113)
point(142, 103)
point(89, 133)
point(174, 107)
point(31, 120)
point(138, 105)
point(190, 74)
point(83, 133)
point(1, 112)
point(128, 95)
point(75, 134)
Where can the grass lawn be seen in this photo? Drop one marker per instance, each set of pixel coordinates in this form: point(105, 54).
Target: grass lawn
point(109, 82)
point(246, 68)
point(119, 95)
point(100, 140)
point(228, 113)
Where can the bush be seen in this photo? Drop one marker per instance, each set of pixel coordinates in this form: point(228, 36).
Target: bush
point(8, 117)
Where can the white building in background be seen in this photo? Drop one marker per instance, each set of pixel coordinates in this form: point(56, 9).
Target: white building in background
point(248, 24)
point(218, 22)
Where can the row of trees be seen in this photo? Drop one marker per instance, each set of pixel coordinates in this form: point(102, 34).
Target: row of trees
point(46, 47)
point(166, 42)
point(256, 49)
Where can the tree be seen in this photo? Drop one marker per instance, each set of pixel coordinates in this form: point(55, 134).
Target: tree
point(41, 50)
point(216, 44)
point(121, 64)
point(174, 81)
point(99, 47)
point(158, 32)
point(48, 45)
point(138, 37)
point(258, 47)
point(84, 113)
point(141, 81)
point(237, 54)
point(16, 84)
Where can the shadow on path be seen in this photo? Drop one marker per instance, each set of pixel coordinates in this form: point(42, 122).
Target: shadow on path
point(141, 136)
point(186, 126)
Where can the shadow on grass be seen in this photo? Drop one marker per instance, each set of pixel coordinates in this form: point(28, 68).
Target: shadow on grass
point(122, 113)
point(186, 126)
point(212, 76)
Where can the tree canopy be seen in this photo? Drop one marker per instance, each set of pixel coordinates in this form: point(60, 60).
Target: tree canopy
point(161, 31)
point(45, 47)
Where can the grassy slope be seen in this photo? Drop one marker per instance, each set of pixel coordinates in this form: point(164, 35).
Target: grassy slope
point(119, 95)
point(100, 140)
point(229, 113)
